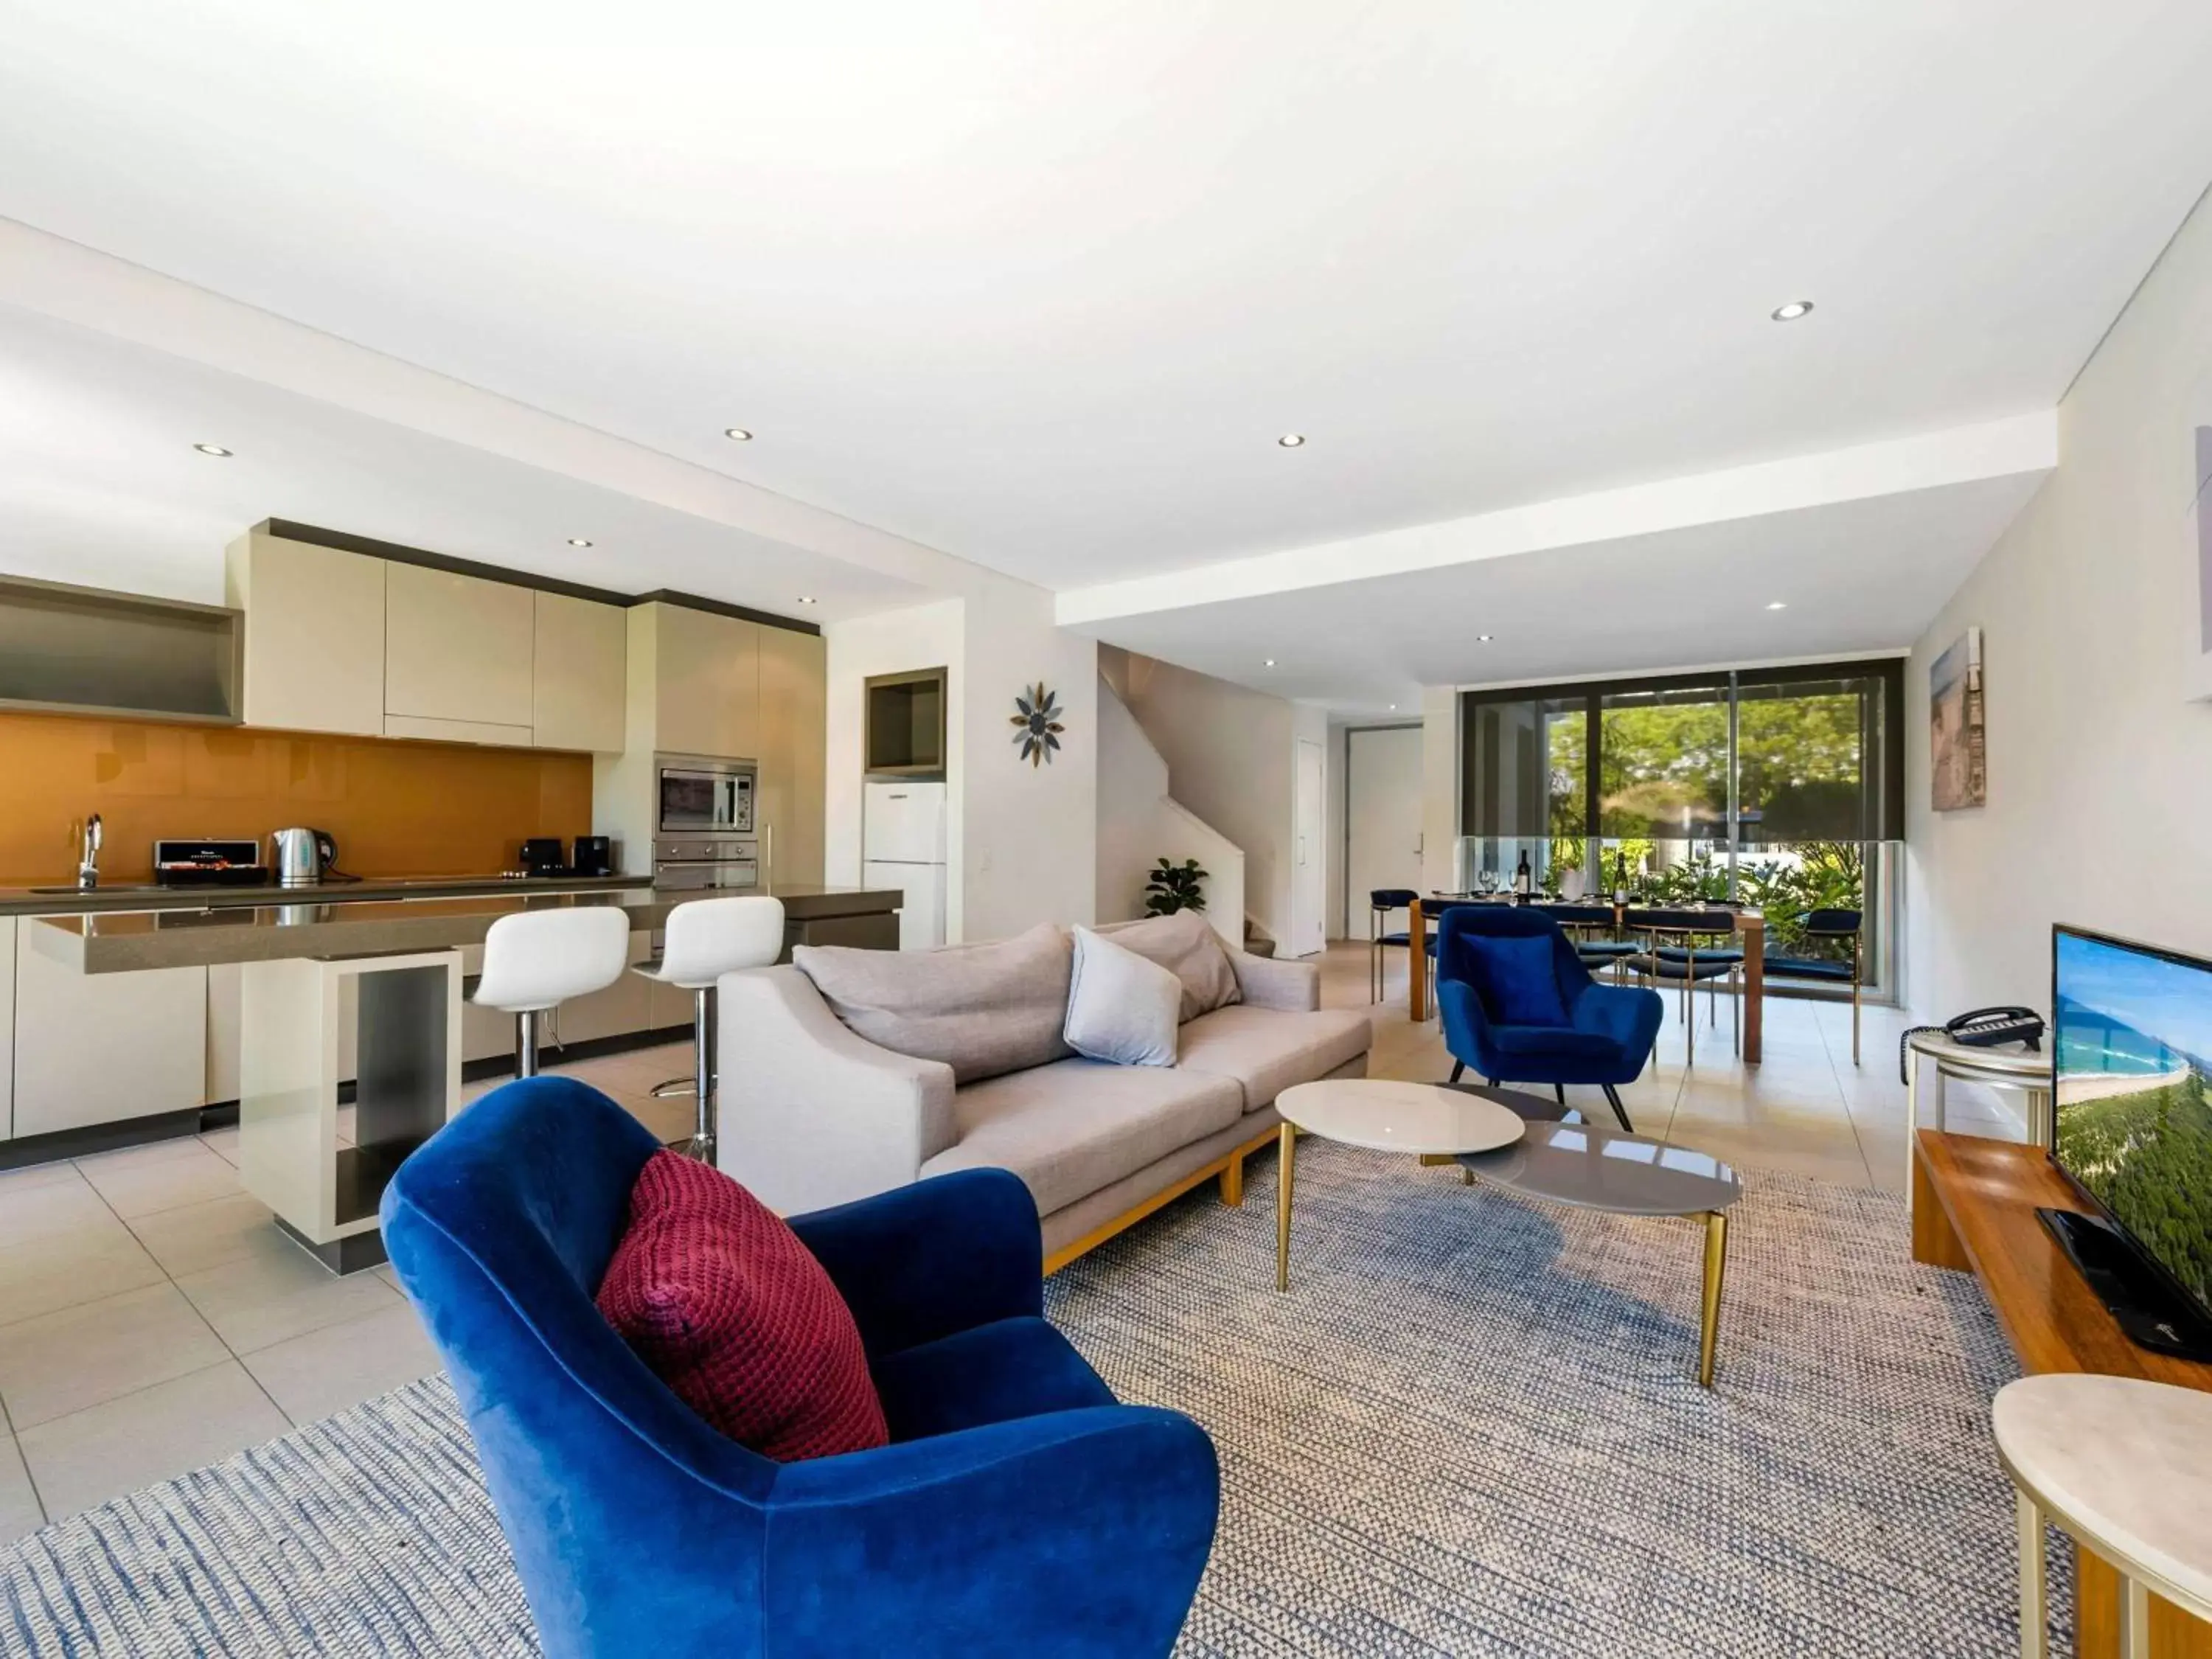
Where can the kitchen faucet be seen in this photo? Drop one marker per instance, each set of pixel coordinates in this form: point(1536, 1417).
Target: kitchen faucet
point(88, 869)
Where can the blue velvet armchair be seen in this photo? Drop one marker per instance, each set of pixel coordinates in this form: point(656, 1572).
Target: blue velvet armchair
point(1018, 1510)
point(1503, 1016)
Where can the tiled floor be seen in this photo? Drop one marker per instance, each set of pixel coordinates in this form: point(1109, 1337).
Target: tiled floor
point(152, 1320)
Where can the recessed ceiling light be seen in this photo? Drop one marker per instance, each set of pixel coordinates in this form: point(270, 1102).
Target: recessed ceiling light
point(1271, 662)
point(215, 450)
point(1483, 639)
point(807, 599)
point(737, 434)
point(1792, 312)
point(579, 541)
point(1394, 707)
point(1292, 440)
point(1777, 604)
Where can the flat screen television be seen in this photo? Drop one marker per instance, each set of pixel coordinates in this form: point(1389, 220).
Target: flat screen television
point(2131, 1129)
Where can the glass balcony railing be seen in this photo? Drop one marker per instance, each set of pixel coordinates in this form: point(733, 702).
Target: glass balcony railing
point(1783, 879)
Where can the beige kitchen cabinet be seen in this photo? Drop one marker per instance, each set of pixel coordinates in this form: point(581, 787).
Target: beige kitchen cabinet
point(417, 726)
point(579, 677)
point(458, 648)
point(793, 754)
point(708, 684)
point(314, 634)
point(103, 1047)
point(223, 1033)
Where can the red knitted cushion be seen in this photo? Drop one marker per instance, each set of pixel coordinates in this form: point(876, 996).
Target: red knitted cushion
point(719, 1297)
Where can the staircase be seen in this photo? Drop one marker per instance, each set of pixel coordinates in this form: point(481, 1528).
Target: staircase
point(1258, 941)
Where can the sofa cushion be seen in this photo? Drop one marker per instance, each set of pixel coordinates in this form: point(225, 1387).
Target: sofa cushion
point(982, 1008)
point(716, 1294)
point(993, 1373)
point(1120, 1007)
point(1067, 1130)
point(1266, 1050)
point(1186, 945)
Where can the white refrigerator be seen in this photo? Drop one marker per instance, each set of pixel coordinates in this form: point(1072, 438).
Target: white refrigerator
point(902, 846)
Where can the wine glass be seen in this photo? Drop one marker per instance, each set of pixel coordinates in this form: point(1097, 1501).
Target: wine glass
point(1488, 879)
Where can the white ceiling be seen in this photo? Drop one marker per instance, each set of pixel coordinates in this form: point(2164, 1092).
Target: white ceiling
point(1040, 286)
point(99, 485)
point(1857, 577)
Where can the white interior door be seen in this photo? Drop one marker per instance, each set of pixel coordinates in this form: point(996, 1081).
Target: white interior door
point(1383, 818)
point(1307, 882)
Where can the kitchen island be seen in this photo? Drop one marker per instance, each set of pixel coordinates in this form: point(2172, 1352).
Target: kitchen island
point(364, 996)
point(321, 924)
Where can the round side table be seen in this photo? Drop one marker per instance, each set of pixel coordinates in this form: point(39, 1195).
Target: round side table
point(2125, 1467)
point(1999, 1068)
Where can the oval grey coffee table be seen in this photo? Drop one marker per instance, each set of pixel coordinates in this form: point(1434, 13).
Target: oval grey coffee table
point(1587, 1168)
point(1426, 1120)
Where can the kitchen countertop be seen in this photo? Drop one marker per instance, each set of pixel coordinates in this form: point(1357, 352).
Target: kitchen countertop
point(307, 925)
point(64, 899)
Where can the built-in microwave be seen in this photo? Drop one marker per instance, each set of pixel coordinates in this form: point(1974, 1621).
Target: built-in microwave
point(704, 797)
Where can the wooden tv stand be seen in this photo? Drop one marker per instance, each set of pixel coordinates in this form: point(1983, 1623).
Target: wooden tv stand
point(1973, 1209)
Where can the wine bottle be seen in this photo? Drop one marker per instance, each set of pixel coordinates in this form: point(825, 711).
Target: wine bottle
point(1524, 880)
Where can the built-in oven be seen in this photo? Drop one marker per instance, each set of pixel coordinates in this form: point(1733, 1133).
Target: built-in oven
point(703, 797)
point(705, 863)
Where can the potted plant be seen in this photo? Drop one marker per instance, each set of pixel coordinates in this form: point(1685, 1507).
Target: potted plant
point(1174, 887)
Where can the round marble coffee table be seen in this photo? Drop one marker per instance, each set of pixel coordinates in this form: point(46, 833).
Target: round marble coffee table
point(1423, 1120)
point(1588, 1168)
point(2125, 1467)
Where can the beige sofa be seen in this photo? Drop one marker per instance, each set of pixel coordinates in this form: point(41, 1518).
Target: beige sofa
point(851, 1071)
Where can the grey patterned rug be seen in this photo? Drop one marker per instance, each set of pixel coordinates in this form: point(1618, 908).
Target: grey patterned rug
point(1471, 1428)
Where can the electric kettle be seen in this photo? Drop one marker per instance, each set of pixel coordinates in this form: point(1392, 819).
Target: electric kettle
point(301, 856)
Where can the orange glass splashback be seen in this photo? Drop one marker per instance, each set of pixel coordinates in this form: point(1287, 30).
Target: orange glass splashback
point(396, 807)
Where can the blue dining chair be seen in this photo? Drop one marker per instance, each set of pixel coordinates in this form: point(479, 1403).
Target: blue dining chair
point(1695, 961)
point(1519, 1005)
point(1019, 1511)
point(1836, 928)
point(1382, 903)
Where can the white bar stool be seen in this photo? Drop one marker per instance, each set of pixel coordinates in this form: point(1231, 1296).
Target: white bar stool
point(536, 960)
point(708, 938)
point(2125, 1467)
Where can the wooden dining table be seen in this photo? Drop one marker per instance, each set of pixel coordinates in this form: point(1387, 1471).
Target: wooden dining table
point(1750, 927)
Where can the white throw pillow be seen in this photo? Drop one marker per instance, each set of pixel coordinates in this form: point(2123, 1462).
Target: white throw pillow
point(1121, 1008)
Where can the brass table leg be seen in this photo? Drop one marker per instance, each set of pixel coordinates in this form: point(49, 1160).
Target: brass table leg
point(2134, 1619)
point(2032, 1595)
point(1289, 1142)
point(1715, 1270)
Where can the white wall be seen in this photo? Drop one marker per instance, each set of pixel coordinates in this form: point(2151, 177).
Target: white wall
point(1031, 850)
point(890, 643)
point(1138, 825)
point(1132, 780)
point(1230, 753)
point(1334, 921)
point(2099, 788)
point(1021, 840)
point(1439, 787)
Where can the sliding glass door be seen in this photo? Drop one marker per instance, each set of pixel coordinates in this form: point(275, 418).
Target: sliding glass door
point(1777, 787)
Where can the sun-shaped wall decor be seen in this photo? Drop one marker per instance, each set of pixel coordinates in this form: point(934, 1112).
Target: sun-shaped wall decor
point(1037, 726)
